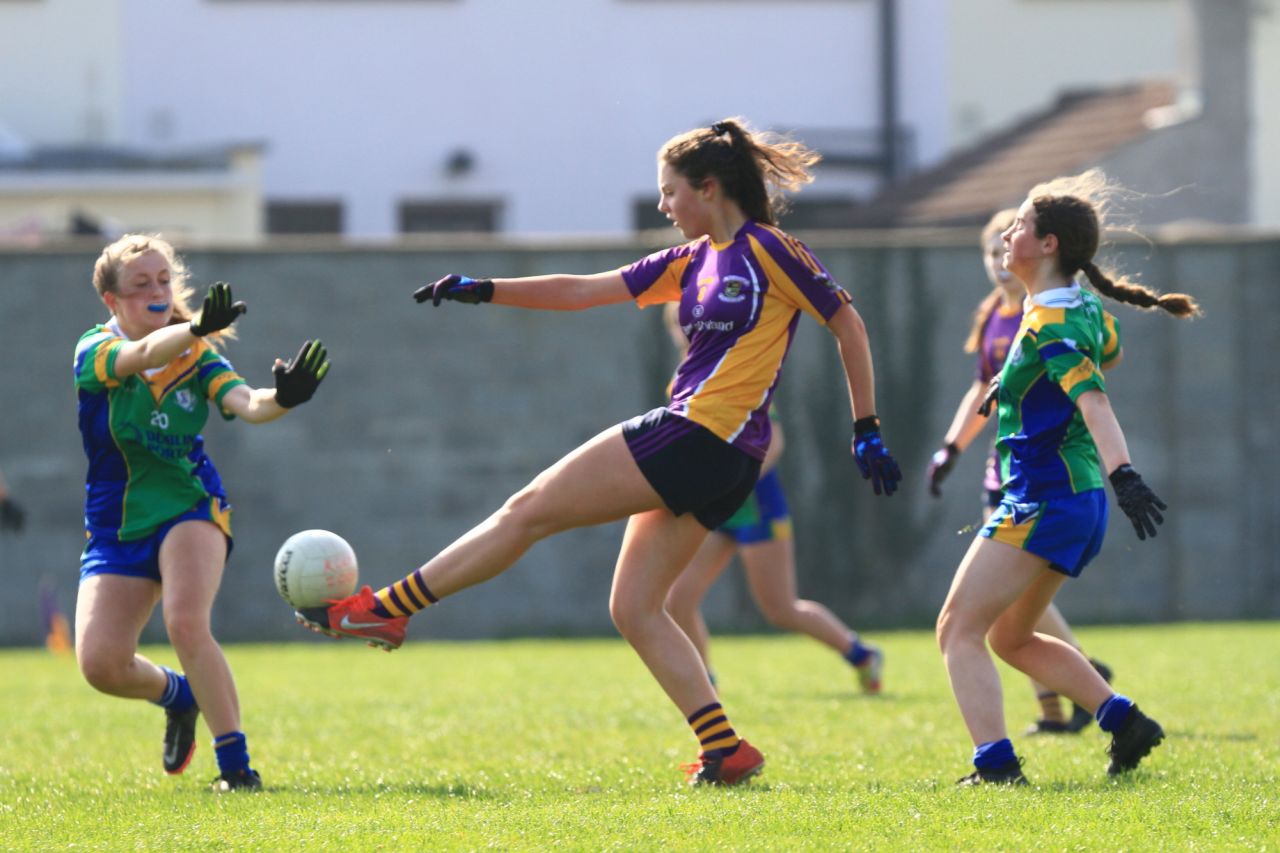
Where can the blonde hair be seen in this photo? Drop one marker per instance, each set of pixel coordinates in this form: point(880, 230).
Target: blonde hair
point(1075, 209)
point(114, 258)
point(997, 224)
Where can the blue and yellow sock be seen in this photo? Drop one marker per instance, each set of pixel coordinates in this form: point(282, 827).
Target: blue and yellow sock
point(1112, 713)
point(858, 653)
point(177, 694)
point(993, 754)
point(232, 752)
point(711, 727)
point(405, 597)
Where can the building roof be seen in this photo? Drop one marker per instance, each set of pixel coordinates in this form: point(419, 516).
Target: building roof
point(1078, 131)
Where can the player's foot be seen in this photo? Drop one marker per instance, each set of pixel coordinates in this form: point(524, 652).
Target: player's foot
point(179, 738)
point(240, 780)
point(871, 671)
point(1137, 736)
point(1005, 774)
point(745, 762)
point(1049, 727)
point(354, 616)
point(1081, 718)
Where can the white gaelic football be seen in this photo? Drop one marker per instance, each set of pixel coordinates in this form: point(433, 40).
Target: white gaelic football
point(314, 567)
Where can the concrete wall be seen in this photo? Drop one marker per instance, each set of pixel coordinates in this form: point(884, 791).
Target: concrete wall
point(431, 417)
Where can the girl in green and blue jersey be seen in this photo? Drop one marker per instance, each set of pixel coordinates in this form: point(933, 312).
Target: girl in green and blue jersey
point(157, 519)
point(1056, 427)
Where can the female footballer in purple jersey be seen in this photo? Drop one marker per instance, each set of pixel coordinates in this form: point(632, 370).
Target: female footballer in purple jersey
point(995, 325)
point(681, 470)
point(156, 515)
point(1056, 428)
point(760, 534)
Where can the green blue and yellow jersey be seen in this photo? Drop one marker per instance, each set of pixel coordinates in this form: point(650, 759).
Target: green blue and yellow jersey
point(141, 434)
point(1044, 446)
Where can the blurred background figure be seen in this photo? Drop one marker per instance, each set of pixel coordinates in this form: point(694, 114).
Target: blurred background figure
point(12, 516)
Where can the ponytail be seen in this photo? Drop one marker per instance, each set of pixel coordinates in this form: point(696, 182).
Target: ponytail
point(1179, 305)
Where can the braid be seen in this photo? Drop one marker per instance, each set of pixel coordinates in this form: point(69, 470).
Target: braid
point(1178, 304)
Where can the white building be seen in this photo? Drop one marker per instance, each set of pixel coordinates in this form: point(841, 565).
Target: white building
point(522, 117)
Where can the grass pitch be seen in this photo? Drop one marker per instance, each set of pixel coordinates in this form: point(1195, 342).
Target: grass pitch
point(535, 744)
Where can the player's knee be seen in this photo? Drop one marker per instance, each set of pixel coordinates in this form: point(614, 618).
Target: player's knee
point(524, 514)
point(782, 615)
point(188, 630)
point(1006, 643)
point(104, 671)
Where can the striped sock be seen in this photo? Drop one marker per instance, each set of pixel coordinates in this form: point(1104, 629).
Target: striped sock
point(405, 597)
point(177, 692)
point(1051, 707)
point(711, 727)
point(232, 751)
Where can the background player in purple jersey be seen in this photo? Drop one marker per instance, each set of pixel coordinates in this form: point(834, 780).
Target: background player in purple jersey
point(157, 518)
point(680, 470)
point(995, 325)
point(1056, 428)
point(760, 534)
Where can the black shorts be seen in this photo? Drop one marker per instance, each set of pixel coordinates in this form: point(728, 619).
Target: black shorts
point(691, 468)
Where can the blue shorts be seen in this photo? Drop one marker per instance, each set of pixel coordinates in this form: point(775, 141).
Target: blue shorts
point(764, 516)
point(140, 558)
point(1065, 531)
point(691, 468)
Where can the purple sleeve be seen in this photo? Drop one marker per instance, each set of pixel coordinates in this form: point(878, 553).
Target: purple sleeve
point(656, 278)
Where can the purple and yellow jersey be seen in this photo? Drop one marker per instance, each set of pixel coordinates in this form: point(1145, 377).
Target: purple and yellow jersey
point(1045, 448)
point(740, 303)
point(141, 434)
point(998, 332)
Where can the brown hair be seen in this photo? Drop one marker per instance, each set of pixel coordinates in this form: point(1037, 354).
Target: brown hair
point(106, 274)
point(754, 168)
point(1072, 210)
point(997, 224)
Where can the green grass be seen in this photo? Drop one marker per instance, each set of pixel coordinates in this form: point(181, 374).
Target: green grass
point(534, 744)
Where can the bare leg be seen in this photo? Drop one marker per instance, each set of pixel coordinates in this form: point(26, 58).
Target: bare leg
point(111, 611)
point(192, 557)
point(655, 548)
point(684, 601)
point(595, 483)
point(1052, 624)
point(771, 572)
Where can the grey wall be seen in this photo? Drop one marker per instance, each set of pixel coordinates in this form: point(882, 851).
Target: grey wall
point(431, 417)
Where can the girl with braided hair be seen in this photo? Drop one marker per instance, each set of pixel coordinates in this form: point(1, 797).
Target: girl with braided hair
point(680, 470)
point(1055, 428)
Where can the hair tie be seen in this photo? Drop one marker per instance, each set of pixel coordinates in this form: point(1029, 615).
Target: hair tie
point(719, 128)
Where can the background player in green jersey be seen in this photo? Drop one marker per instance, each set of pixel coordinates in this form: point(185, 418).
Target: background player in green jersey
point(1055, 426)
point(157, 518)
point(995, 325)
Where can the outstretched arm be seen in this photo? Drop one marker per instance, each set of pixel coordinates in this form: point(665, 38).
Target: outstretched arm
point(1134, 496)
point(255, 405)
point(873, 458)
point(965, 427)
point(545, 292)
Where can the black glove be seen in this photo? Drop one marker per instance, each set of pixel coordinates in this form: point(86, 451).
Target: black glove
point(217, 312)
point(940, 466)
point(299, 379)
point(456, 288)
point(873, 458)
point(993, 391)
point(11, 515)
point(1137, 500)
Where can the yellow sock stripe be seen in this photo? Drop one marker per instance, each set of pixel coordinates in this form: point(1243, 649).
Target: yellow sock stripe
point(420, 588)
point(384, 598)
point(409, 595)
point(722, 743)
point(716, 731)
point(706, 718)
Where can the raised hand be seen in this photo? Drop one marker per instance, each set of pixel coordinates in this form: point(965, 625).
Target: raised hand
point(217, 312)
point(1137, 500)
point(874, 460)
point(298, 379)
point(456, 288)
point(940, 466)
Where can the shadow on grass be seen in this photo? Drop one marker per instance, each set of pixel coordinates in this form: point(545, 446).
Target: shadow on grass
point(439, 791)
point(1229, 736)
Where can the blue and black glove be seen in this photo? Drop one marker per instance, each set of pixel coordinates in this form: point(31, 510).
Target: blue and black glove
point(298, 379)
point(873, 458)
point(456, 288)
point(1137, 500)
point(940, 466)
point(217, 312)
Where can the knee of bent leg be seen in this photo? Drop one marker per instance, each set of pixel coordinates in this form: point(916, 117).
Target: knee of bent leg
point(103, 669)
point(187, 629)
point(783, 615)
point(524, 512)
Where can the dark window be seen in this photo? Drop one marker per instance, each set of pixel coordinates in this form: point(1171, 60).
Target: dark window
point(813, 213)
point(424, 217)
point(645, 214)
point(304, 217)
